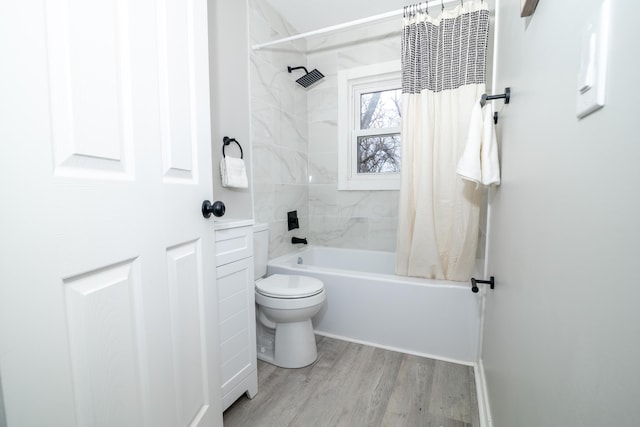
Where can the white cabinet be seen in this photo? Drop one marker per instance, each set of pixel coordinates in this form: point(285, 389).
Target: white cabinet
point(234, 272)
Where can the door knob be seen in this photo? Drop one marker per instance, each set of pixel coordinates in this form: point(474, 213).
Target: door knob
point(216, 208)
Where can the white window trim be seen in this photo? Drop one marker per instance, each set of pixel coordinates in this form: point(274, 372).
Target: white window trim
point(351, 83)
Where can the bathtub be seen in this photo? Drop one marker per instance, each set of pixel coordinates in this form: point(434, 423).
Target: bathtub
point(367, 303)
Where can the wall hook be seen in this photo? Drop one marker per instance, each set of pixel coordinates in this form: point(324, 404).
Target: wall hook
point(506, 96)
point(474, 283)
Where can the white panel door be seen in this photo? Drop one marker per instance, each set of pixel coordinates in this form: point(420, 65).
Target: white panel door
point(108, 300)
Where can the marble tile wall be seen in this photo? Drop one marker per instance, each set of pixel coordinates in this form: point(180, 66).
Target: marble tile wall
point(294, 135)
point(278, 129)
point(349, 219)
point(295, 131)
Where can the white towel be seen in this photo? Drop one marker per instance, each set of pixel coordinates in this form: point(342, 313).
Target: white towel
point(233, 173)
point(479, 161)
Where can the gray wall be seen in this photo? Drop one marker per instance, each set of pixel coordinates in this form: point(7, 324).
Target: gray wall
point(3, 419)
point(562, 329)
point(230, 101)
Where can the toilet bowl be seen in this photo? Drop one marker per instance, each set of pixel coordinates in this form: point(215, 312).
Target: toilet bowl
point(285, 305)
point(288, 317)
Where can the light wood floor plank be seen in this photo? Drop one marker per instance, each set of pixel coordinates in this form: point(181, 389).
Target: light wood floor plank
point(332, 392)
point(368, 395)
point(450, 393)
point(409, 401)
point(356, 385)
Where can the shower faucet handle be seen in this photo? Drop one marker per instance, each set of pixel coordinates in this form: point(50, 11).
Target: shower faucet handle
point(292, 220)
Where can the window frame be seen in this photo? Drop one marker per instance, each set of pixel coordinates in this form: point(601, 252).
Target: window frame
point(352, 83)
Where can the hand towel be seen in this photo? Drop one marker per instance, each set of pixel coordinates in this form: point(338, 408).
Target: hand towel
point(489, 151)
point(233, 173)
point(479, 160)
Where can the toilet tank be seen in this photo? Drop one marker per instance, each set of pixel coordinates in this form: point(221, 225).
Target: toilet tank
point(260, 249)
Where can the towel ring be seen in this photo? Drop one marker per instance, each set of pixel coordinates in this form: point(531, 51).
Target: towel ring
point(226, 141)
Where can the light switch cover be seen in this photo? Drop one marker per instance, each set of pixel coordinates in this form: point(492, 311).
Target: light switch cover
point(592, 73)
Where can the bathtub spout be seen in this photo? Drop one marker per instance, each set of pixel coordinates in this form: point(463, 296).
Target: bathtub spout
point(295, 240)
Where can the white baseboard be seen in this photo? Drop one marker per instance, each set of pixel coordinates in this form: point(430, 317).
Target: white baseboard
point(483, 397)
point(397, 349)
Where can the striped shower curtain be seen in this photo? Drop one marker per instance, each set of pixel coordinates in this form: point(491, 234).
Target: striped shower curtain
point(443, 75)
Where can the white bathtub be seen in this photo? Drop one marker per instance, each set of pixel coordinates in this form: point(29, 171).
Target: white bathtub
point(367, 303)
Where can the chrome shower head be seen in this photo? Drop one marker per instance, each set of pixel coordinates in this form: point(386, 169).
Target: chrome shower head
point(309, 78)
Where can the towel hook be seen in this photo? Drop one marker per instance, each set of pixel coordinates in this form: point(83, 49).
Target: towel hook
point(226, 141)
point(506, 96)
point(474, 283)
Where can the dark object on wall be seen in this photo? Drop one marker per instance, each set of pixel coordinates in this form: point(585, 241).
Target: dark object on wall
point(296, 240)
point(216, 208)
point(309, 78)
point(527, 7)
point(292, 220)
point(506, 96)
point(474, 283)
point(226, 141)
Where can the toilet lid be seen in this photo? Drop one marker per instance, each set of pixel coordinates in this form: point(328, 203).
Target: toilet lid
point(288, 286)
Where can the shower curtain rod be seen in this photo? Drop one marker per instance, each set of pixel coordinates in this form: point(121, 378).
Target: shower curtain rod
point(349, 24)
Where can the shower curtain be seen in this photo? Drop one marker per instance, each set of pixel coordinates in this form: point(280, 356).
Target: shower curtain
point(443, 75)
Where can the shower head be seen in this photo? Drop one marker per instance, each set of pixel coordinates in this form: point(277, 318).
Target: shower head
point(309, 78)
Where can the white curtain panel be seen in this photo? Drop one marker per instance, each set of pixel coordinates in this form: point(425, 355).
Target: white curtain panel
point(443, 75)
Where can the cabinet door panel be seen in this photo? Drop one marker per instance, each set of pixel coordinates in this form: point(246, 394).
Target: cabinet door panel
point(237, 321)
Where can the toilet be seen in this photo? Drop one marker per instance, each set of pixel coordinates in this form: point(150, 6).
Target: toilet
point(284, 307)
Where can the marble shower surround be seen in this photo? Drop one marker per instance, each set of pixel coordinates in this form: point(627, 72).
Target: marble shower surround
point(278, 130)
point(295, 137)
point(348, 219)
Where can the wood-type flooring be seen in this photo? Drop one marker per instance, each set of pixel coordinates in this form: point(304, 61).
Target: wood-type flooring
point(357, 385)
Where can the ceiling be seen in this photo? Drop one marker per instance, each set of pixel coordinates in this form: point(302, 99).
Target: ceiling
point(312, 15)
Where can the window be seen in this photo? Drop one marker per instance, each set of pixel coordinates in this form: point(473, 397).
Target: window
point(369, 127)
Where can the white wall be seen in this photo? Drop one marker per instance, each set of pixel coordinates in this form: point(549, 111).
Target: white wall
point(562, 330)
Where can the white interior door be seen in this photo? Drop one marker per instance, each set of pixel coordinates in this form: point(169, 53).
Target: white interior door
point(107, 296)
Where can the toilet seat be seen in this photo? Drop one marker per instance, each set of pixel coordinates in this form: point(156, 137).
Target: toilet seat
point(289, 286)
